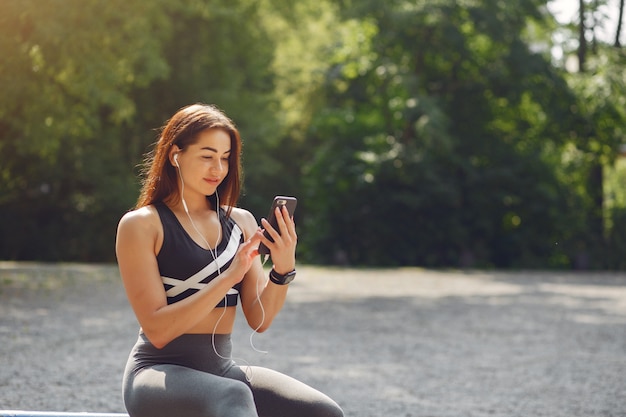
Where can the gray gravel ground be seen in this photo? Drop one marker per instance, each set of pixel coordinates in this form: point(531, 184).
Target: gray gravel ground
point(402, 342)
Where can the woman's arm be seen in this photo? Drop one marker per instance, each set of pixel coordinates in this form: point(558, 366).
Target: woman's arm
point(139, 236)
point(256, 285)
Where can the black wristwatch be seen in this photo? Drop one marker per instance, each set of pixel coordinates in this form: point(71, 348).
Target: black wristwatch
point(279, 279)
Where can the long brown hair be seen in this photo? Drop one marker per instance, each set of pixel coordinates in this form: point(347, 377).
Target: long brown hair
point(160, 181)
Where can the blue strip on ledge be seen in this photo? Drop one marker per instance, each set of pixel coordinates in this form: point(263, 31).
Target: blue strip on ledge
point(15, 413)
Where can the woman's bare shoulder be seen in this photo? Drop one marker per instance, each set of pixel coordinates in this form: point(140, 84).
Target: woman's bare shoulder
point(245, 220)
point(139, 228)
point(142, 218)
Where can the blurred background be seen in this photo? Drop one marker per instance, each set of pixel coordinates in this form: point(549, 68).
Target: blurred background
point(441, 133)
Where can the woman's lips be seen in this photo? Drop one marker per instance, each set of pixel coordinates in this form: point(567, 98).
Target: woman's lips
point(212, 181)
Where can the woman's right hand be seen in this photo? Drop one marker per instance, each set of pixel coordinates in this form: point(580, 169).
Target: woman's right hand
point(246, 253)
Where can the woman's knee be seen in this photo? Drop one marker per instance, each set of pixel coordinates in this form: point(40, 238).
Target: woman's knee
point(228, 397)
point(337, 411)
point(237, 400)
point(231, 398)
point(330, 409)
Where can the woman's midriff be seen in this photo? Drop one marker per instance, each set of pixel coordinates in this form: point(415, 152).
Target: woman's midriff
point(225, 321)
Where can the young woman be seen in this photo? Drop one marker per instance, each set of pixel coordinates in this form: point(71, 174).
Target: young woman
point(187, 256)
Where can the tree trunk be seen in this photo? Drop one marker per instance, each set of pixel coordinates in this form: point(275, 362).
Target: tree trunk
point(618, 32)
point(582, 42)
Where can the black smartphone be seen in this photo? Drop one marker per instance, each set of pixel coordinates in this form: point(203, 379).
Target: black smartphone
point(279, 201)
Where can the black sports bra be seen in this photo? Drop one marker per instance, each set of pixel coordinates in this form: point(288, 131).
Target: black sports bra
point(186, 267)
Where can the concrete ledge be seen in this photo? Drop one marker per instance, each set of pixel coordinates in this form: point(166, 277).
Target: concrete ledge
point(15, 413)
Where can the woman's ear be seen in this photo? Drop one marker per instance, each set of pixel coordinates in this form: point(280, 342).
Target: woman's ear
point(173, 155)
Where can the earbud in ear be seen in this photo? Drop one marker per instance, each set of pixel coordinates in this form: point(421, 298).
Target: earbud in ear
point(176, 160)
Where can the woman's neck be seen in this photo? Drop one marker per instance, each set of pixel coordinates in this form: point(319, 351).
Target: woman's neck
point(195, 205)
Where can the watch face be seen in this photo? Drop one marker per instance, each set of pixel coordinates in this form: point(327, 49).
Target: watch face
point(282, 279)
point(289, 277)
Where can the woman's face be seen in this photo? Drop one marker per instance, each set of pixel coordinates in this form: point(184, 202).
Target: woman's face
point(204, 164)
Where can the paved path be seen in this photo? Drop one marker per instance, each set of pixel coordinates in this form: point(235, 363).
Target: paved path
point(405, 342)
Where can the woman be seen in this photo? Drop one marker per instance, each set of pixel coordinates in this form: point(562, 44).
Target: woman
point(187, 255)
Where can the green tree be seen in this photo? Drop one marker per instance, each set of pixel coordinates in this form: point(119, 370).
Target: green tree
point(600, 89)
point(439, 141)
point(88, 82)
point(67, 69)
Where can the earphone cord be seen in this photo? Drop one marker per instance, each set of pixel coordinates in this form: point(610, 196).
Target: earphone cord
point(213, 253)
point(255, 331)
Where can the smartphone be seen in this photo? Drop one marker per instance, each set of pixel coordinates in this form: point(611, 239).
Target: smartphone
point(279, 201)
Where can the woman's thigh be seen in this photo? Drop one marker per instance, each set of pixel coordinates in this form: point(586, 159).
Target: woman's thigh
point(278, 395)
point(171, 390)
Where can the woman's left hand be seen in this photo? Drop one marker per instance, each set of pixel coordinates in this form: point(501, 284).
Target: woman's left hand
point(283, 249)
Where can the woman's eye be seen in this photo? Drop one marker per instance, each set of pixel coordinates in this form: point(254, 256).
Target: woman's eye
point(210, 157)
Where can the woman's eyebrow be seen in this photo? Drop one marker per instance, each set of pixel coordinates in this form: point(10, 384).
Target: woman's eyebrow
point(208, 148)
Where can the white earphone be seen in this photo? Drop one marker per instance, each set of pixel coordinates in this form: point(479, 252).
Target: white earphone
point(176, 159)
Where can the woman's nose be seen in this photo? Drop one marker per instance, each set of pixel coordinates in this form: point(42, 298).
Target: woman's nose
point(218, 166)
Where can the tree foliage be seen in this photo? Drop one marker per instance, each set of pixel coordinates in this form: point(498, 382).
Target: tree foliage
point(87, 84)
point(451, 142)
point(441, 133)
point(68, 70)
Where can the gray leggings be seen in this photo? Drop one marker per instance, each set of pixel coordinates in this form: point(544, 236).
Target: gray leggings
point(187, 378)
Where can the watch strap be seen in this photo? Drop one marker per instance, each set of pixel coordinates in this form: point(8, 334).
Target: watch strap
point(279, 279)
